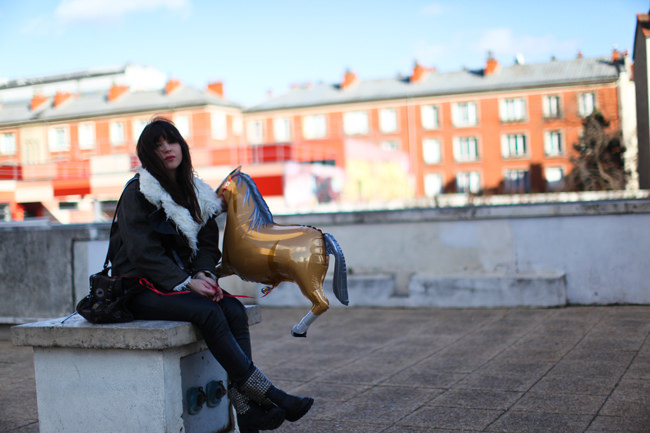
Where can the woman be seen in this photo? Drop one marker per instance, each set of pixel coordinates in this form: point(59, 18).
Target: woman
point(166, 233)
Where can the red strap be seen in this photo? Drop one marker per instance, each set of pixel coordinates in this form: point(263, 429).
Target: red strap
point(144, 282)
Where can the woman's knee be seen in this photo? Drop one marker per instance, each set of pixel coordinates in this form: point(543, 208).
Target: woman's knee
point(234, 310)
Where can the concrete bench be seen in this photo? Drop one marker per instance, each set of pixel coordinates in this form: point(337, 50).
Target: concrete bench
point(141, 376)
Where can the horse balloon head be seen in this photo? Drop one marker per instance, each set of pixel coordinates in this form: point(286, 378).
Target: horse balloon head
point(225, 190)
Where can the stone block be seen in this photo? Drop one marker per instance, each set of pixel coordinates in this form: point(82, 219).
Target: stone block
point(488, 290)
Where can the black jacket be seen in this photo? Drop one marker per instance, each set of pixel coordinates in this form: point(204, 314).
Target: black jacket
point(157, 239)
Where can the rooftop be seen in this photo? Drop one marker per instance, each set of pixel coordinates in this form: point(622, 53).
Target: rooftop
point(96, 104)
point(517, 76)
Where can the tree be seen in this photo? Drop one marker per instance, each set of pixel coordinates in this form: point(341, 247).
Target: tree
point(599, 164)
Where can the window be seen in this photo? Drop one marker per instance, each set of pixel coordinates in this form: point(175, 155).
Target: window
point(314, 126)
point(255, 131)
point(389, 144)
point(553, 143)
point(554, 178)
point(388, 120)
point(8, 144)
point(468, 182)
point(465, 149)
point(512, 110)
point(86, 135)
point(432, 184)
point(586, 104)
point(429, 117)
point(355, 123)
point(551, 107)
point(68, 205)
point(516, 181)
point(182, 123)
point(218, 125)
point(282, 130)
point(514, 145)
point(464, 114)
point(59, 139)
point(5, 212)
point(116, 133)
point(138, 125)
point(431, 151)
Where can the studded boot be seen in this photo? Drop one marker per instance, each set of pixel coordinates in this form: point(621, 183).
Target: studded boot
point(260, 389)
point(251, 417)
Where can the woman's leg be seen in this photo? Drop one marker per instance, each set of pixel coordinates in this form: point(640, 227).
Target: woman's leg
point(237, 317)
point(211, 320)
point(216, 322)
point(207, 316)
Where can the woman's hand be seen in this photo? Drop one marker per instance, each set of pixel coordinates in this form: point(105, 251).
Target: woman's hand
point(206, 286)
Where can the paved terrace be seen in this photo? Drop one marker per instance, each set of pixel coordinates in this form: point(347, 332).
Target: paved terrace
point(577, 369)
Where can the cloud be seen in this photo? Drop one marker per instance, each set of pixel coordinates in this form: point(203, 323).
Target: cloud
point(434, 9)
point(108, 11)
point(504, 42)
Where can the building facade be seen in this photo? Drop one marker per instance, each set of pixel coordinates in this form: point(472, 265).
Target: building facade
point(496, 130)
point(67, 143)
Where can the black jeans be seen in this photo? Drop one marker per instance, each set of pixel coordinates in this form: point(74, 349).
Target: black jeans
point(224, 325)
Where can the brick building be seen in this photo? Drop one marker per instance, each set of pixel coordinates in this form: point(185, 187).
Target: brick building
point(67, 143)
point(501, 129)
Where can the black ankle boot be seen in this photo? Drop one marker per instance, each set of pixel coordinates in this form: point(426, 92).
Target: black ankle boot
point(260, 389)
point(251, 417)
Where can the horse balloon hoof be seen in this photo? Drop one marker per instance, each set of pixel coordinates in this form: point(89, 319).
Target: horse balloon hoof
point(299, 330)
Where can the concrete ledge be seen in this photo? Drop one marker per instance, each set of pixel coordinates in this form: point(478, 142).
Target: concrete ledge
point(463, 291)
point(139, 334)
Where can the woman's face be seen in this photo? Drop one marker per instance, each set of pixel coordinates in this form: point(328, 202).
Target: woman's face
point(171, 156)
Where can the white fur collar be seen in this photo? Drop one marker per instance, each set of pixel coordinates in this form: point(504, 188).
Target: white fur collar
point(209, 204)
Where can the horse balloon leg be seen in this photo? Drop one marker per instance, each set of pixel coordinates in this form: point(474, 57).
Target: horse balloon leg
point(320, 305)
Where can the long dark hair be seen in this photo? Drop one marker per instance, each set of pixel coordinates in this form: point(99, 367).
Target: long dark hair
point(182, 191)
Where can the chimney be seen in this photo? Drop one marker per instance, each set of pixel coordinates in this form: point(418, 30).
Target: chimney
point(116, 91)
point(349, 79)
point(216, 88)
point(579, 54)
point(37, 101)
point(615, 56)
point(60, 98)
point(171, 86)
point(419, 72)
point(491, 66)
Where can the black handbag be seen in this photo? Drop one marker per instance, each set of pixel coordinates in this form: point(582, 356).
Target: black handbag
point(107, 301)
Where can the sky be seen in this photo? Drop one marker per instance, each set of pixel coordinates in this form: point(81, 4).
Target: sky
point(257, 48)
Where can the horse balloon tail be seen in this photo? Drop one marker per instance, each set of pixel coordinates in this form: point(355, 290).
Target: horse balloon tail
point(340, 283)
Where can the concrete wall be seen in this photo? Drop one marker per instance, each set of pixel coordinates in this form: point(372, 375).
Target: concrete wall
point(599, 251)
point(37, 266)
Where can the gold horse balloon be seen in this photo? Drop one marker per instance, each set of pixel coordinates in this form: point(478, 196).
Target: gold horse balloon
point(256, 249)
